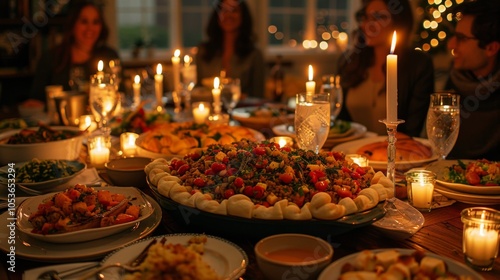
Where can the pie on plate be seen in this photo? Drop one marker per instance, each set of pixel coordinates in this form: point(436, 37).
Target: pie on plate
point(260, 180)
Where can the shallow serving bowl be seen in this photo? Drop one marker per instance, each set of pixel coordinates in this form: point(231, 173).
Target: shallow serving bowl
point(68, 149)
point(128, 171)
point(284, 256)
point(30, 206)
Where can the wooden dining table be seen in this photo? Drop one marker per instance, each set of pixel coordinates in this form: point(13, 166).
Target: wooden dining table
point(441, 234)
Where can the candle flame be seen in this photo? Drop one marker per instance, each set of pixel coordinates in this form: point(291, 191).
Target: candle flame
point(187, 59)
point(158, 69)
point(393, 44)
point(201, 107)
point(310, 73)
point(137, 79)
point(216, 82)
point(177, 53)
point(100, 65)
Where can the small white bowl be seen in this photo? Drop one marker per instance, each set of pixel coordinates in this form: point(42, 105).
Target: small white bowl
point(290, 256)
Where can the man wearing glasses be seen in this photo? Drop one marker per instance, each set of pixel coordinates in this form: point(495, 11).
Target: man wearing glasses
point(476, 77)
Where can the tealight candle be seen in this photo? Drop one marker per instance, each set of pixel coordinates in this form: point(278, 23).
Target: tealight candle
point(201, 110)
point(98, 151)
point(127, 142)
point(159, 86)
point(360, 160)
point(282, 141)
point(420, 184)
point(480, 237)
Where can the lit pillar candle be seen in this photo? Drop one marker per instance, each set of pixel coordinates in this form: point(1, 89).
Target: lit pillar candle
point(127, 141)
point(310, 85)
point(392, 84)
point(216, 95)
point(201, 112)
point(100, 68)
point(137, 90)
point(176, 70)
point(159, 86)
point(422, 194)
point(188, 72)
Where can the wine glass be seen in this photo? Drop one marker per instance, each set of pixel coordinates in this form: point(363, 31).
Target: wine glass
point(443, 122)
point(312, 120)
point(230, 93)
point(78, 80)
point(104, 99)
point(331, 84)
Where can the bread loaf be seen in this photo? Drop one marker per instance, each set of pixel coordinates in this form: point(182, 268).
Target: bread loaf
point(407, 149)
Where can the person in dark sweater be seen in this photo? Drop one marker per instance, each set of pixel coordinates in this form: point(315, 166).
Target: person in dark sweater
point(363, 69)
point(83, 45)
point(475, 76)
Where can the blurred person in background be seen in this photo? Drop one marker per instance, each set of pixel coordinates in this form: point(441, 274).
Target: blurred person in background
point(475, 76)
point(231, 48)
point(363, 69)
point(83, 45)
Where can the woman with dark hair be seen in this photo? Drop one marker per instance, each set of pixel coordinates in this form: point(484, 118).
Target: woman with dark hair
point(231, 48)
point(363, 69)
point(83, 45)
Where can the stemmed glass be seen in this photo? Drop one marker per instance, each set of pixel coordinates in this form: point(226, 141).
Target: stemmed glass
point(443, 122)
point(331, 84)
point(78, 80)
point(104, 99)
point(230, 93)
point(312, 120)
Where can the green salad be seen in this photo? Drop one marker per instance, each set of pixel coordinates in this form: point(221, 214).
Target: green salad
point(37, 170)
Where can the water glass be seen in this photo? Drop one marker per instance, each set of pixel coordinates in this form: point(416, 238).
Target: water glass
point(104, 98)
point(312, 120)
point(420, 186)
point(443, 122)
point(230, 93)
point(331, 84)
point(481, 237)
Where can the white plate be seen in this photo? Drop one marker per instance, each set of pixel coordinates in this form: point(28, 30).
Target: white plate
point(30, 206)
point(401, 223)
point(352, 147)
point(33, 249)
point(333, 270)
point(441, 169)
point(227, 259)
point(45, 186)
point(469, 198)
point(358, 131)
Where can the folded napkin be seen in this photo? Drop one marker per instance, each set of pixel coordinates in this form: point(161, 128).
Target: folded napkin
point(88, 176)
point(32, 274)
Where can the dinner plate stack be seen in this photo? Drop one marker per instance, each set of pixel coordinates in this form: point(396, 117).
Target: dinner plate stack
point(480, 195)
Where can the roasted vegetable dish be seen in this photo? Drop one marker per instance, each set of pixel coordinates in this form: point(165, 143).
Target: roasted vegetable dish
point(477, 173)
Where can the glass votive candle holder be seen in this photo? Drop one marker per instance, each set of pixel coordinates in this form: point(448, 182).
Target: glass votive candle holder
point(201, 111)
point(480, 237)
point(283, 141)
point(420, 188)
point(360, 160)
point(99, 150)
point(87, 123)
point(219, 119)
point(127, 143)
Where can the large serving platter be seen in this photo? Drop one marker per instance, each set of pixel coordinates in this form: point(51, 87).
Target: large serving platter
point(30, 206)
point(227, 259)
point(333, 271)
point(441, 169)
point(226, 225)
point(352, 147)
point(34, 249)
point(48, 185)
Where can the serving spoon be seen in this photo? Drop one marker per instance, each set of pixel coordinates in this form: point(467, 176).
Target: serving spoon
point(56, 275)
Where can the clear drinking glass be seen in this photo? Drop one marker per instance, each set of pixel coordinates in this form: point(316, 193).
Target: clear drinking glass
point(78, 80)
point(331, 84)
point(104, 99)
point(312, 120)
point(230, 93)
point(443, 122)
